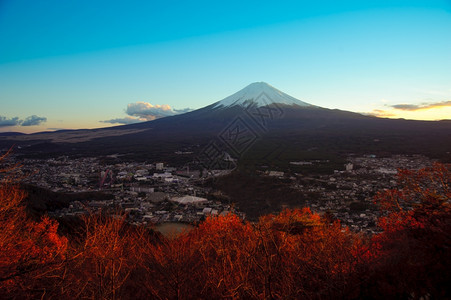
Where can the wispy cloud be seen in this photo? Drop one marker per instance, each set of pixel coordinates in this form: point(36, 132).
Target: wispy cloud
point(126, 120)
point(29, 121)
point(422, 106)
point(381, 113)
point(182, 111)
point(57, 128)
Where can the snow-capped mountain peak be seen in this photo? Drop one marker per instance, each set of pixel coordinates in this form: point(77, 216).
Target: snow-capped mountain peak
point(261, 94)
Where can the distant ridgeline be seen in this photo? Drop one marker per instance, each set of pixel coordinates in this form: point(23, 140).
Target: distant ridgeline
point(258, 125)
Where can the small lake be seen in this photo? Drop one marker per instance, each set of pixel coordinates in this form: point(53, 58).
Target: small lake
point(170, 229)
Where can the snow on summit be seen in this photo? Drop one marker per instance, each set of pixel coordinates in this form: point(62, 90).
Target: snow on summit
point(260, 93)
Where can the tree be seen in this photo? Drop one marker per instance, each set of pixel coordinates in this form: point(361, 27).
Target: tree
point(412, 256)
point(171, 268)
point(295, 254)
point(225, 245)
point(301, 255)
point(32, 253)
point(103, 259)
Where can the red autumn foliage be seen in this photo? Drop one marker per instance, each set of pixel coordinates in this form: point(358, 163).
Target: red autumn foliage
point(102, 260)
point(412, 255)
point(304, 256)
point(290, 255)
point(31, 252)
point(296, 254)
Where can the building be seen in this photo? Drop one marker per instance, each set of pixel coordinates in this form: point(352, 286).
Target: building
point(162, 175)
point(276, 174)
point(142, 189)
point(207, 210)
point(185, 200)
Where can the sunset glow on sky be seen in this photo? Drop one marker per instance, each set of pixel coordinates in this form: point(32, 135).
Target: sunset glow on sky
point(89, 64)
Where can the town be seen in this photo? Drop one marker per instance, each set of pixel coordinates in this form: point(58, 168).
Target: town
point(155, 193)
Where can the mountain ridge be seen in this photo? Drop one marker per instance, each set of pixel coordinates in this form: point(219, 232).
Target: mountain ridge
point(269, 123)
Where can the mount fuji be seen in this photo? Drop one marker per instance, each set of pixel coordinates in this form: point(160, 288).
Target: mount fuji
point(278, 127)
point(260, 99)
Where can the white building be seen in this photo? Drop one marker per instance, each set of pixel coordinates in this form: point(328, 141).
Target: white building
point(189, 200)
point(142, 172)
point(276, 174)
point(207, 210)
point(162, 175)
point(142, 189)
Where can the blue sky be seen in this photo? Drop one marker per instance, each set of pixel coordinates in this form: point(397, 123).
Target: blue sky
point(74, 64)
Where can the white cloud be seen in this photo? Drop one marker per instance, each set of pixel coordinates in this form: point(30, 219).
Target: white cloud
point(34, 121)
point(5, 122)
point(29, 121)
point(144, 111)
point(149, 111)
